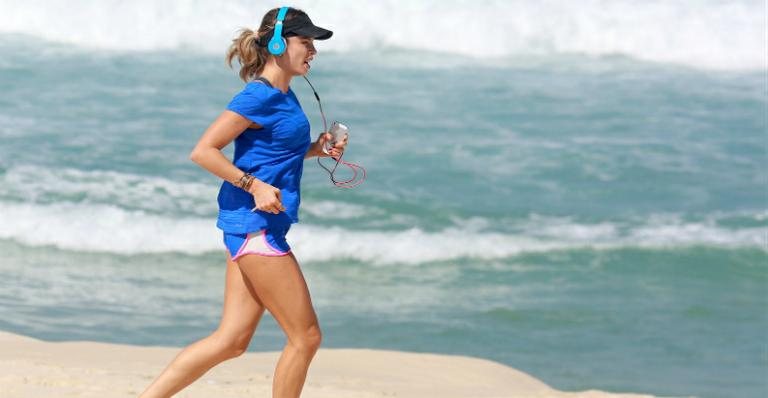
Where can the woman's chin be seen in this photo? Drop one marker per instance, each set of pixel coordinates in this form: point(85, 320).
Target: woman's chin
point(301, 71)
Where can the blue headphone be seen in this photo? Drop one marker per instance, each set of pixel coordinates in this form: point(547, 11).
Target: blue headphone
point(276, 45)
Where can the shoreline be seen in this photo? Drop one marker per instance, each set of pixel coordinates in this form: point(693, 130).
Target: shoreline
point(34, 368)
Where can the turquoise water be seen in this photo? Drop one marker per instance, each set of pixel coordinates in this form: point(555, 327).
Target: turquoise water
point(596, 221)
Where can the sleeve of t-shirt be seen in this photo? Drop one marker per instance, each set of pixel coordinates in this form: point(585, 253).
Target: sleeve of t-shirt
point(252, 105)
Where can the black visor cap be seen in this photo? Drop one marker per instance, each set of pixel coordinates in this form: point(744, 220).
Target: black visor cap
point(301, 25)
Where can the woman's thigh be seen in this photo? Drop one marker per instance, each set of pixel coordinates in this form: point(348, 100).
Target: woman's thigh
point(282, 289)
point(242, 307)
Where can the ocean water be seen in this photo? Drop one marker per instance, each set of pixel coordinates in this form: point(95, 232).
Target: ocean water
point(584, 197)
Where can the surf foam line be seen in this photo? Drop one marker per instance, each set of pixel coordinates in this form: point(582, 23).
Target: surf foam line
point(110, 229)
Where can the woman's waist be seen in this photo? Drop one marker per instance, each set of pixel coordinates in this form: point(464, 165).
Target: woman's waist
point(243, 220)
point(230, 193)
point(256, 156)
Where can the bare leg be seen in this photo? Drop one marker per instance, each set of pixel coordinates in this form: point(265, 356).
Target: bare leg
point(283, 291)
point(241, 314)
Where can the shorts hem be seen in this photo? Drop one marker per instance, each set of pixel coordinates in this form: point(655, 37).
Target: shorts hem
point(275, 251)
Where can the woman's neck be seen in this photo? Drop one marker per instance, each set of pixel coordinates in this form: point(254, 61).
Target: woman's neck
point(277, 77)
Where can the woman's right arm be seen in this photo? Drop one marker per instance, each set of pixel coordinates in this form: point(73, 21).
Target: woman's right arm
point(207, 154)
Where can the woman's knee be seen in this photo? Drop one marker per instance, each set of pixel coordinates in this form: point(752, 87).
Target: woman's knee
point(233, 345)
point(308, 340)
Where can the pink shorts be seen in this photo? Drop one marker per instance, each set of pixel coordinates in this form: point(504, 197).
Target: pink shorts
point(267, 242)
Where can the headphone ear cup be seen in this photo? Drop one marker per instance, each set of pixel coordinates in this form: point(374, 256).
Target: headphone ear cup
point(277, 45)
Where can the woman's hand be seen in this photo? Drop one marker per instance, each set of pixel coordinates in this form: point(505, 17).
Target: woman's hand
point(335, 152)
point(266, 197)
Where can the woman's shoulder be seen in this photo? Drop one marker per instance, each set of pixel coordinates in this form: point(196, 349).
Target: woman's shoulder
point(255, 98)
point(258, 89)
point(257, 102)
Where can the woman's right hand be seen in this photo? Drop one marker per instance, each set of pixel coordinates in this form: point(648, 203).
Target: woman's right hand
point(266, 197)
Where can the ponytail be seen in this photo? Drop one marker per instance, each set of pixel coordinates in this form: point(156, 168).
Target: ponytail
point(249, 54)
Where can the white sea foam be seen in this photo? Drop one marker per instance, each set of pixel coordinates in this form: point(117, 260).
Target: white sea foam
point(152, 194)
point(106, 228)
point(338, 210)
point(706, 34)
point(125, 190)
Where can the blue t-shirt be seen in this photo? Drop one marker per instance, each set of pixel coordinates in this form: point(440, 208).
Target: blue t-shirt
point(273, 154)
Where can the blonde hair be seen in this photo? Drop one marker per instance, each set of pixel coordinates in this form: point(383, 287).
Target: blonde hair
point(245, 47)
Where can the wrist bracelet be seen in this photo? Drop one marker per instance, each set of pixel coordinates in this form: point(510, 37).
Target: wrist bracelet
point(245, 181)
point(240, 181)
point(248, 183)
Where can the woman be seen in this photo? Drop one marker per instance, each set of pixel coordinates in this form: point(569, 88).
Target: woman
point(258, 202)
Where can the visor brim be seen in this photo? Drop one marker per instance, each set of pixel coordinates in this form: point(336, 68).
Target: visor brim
point(312, 31)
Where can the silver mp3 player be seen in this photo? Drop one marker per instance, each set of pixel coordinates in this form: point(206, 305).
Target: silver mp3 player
point(339, 131)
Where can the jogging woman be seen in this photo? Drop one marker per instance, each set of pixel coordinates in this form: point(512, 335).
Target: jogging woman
point(258, 201)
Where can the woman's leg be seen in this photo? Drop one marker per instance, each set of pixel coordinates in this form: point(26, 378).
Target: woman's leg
point(283, 290)
point(241, 315)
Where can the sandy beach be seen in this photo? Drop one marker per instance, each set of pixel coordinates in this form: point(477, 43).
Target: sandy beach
point(34, 368)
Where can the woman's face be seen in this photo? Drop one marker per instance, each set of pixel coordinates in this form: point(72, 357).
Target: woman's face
point(298, 55)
